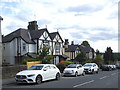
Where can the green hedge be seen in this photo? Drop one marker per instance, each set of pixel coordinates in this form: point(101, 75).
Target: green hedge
point(68, 62)
point(29, 60)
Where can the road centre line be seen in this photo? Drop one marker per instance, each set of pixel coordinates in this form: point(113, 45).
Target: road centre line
point(113, 74)
point(83, 83)
point(103, 77)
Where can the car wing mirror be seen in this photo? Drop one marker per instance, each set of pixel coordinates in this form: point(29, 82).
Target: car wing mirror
point(45, 69)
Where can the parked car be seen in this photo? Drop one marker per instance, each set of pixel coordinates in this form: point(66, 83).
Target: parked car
point(118, 64)
point(91, 68)
point(38, 73)
point(106, 68)
point(112, 67)
point(74, 70)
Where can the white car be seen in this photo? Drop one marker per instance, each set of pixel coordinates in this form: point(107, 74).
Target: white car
point(91, 68)
point(38, 73)
point(74, 70)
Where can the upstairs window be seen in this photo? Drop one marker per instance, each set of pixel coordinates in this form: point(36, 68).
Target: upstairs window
point(57, 47)
point(45, 42)
point(24, 47)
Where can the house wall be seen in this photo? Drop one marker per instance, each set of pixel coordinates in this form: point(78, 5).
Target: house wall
point(32, 48)
point(48, 39)
point(9, 51)
point(21, 47)
point(54, 46)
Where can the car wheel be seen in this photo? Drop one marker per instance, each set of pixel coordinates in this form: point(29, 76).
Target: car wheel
point(83, 74)
point(97, 71)
point(92, 71)
point(57, 76)
point(38, 79)
point(76, 74)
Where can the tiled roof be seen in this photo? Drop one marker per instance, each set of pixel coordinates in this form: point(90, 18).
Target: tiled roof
point(85, 49)
point(52, 35)
point(72, 48)
point(35, 34)
point(28, 35)
point(23, 33)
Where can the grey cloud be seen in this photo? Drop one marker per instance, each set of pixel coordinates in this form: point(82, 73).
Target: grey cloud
point(84, 8)
point(103, 36)
point(43, 22)
point(94, 37)
point(22, 17)
point(76, 35)
point(70, 27)
point(101, 28)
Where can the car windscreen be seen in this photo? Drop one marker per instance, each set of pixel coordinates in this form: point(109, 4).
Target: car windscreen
point(71, 66)
point(88, 65)
point(36, 67)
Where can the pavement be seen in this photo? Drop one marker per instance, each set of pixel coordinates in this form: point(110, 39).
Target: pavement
point(7, 81)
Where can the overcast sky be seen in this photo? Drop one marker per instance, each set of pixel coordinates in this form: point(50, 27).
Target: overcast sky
point(93, 20)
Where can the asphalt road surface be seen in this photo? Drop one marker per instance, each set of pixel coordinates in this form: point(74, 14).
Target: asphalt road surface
point(104, 79)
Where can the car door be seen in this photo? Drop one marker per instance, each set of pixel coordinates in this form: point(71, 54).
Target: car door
point(53, 71)
point(81, 69)
point(46, 73)
point(95, 67)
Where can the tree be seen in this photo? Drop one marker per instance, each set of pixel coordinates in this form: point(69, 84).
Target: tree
point(81, 57)
point(85, 43)
point(98, 60)
point(97, 52)
point(43, 54)
point(108, 55)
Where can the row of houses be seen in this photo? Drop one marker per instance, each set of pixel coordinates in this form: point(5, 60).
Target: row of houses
point(27, 42)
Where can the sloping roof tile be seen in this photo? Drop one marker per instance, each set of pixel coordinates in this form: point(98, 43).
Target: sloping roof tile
point(52, 35)
point(23, 33)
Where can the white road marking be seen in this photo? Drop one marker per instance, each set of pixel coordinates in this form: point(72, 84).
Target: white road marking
point(103, 77)
point(83, 83)
point(113, 74)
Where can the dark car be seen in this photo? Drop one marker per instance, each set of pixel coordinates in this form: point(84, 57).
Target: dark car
point(106, 68)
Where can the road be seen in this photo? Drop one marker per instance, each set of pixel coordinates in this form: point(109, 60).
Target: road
point(104, 79)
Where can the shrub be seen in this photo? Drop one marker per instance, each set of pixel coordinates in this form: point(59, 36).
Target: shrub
point(61, 66)
point(29, 60)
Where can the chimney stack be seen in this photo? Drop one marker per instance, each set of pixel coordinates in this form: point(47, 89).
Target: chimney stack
point(72, 43)
point(33, 25)
point(66, 43)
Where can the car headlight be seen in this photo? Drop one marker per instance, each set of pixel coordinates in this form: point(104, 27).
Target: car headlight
point(89, 69)
point(31, 75)
point(72, 71)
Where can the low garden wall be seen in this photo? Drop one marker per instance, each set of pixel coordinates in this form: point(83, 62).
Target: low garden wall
point(11, 71)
